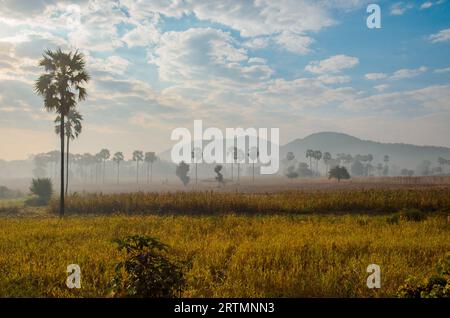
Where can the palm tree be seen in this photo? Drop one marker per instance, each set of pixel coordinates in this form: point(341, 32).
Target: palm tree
point(326, 159)
point(118, 158)
point(73, 130)
point(317, 156)
point(253, 155)
point(104, 155)
point(310, 155)
point(137, 156)
point(61, 85)
point(150, 158)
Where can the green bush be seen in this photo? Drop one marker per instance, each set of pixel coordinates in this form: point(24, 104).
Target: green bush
point(412, 215)
point(437, 286)
point(42, 188)
point(148, 270)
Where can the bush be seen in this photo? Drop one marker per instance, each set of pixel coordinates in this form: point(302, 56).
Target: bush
point(147, 271)
point(437, 286)
point(338, 173)
point(6, 193)
point(412, 215)
point(42, 188)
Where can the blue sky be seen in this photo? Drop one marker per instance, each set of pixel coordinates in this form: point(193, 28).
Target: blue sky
point(300, 65)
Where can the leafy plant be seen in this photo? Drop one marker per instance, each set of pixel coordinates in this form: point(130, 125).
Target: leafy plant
point(436, 286)
point(148, 270)
point(338, 173)
point(42, 188)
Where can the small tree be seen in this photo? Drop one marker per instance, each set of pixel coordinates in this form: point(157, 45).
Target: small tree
point(182, 172)
point(338, 173)
point(219, 176)
point(43, 189)
point(148, 270)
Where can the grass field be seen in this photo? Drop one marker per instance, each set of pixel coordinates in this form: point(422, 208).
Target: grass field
point(226, 256)
point(290, 244)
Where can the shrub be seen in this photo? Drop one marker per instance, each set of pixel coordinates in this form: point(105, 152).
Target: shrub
point(338, 173)
point(42, 188)
point(148, 271)
point(412, 215)
point(6, 193)
point(393, 219)
point(437, 286)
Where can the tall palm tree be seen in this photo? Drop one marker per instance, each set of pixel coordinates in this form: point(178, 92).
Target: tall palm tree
point(326, 159)
point(317, 156)
point(310, 155)
point(137, 156)
point(253, 155)
point(104, 155)
point(61, 85)
point(118, 158)
point(73, 130)
point(150, 158)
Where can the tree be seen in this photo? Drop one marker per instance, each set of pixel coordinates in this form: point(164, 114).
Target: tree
point(310, 155)
point(196, 155)
point(219, 176)
point(386, 166)
point(61, 85)
point(326, 159)
point(182, 171)
point(357, 168)
point(73, 130)
point(317, 155)
point(253, 155)
point(338, 173)
point(104, 155)
point(137, 156)
point(150, 158)
point(118, 158)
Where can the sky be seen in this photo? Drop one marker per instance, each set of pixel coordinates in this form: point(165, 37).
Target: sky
point(302, 66)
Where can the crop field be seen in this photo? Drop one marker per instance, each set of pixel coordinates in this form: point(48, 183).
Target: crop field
point(309, 243)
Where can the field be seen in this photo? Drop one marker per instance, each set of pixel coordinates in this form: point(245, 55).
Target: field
point(297, 243)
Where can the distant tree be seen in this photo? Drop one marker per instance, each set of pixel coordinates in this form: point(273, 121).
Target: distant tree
point(338, 173)
point(379, 169)
point(104, 155)
point(118, 158)
point(219, 177)
point(73, 129)
point(196, 156)
point(357, 168)
point(386, 166)
point(253, 155)
point(303, 170)
point(317, 156)
point(326, 159)
point(310, 155)
point(406, 172)
point(182, 171)
point(150, 158)
point(291, 173)
point(137, 156)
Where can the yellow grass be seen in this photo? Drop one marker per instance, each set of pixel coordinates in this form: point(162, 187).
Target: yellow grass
point(227, 256)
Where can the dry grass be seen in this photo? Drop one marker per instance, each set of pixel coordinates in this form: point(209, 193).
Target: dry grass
point(291, 202)
point(226, 256)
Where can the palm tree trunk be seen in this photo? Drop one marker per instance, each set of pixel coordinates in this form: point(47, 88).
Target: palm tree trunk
point(61, 195)
point(148, 167)
point(118, 170)
point(67, 167)
point(137, 171)
point(104, 170)
point(151, 172)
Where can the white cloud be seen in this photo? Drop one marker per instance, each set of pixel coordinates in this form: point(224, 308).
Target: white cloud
point(375, 76)
point(381, 87)
point(442, 70)
point(426, 5)
point(397, 75)
point(333, 64)
point(295, 43)
point(441, 36)
point(400, 8)
point(408, 73)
